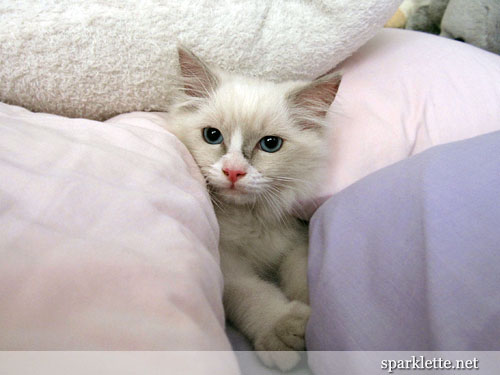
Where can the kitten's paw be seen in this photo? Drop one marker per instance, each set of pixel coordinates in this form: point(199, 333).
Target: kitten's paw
point(291, 328)
point(278, 346)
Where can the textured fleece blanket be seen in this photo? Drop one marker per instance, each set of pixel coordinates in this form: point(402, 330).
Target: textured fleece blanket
point(96, 59)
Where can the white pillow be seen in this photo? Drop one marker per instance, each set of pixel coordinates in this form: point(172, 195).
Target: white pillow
point(96, 59)
point(108, 238)
point(402, 93)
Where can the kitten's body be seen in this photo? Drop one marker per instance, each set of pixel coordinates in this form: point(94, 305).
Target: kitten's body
point(246, 237)
point(254, 187)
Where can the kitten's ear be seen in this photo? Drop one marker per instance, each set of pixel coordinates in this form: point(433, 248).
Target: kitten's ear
point(314, 99)
point(198, 79)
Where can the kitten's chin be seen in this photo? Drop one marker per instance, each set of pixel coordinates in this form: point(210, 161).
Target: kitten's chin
point(236, 197)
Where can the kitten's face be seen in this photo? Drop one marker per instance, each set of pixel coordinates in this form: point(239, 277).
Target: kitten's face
point(251, 141)
point(247, 146)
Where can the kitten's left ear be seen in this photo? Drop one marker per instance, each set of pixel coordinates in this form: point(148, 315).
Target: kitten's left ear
point(316, 97)
point(199, 80)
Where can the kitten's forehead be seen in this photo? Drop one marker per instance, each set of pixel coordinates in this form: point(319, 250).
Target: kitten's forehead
point(248, 109)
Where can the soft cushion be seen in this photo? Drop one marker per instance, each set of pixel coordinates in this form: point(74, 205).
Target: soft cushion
point(108, 238)
point(403, 92)
point(96, 59)
point(408, 258)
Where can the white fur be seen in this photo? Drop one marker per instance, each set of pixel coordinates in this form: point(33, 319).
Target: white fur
point(263, 247)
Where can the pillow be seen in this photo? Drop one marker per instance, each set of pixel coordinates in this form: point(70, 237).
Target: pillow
point(96, 59)
point(407, 259)
point(108, 237)
point(401, 93)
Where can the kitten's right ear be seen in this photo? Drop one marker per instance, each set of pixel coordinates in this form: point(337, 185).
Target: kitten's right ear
point(198, 79)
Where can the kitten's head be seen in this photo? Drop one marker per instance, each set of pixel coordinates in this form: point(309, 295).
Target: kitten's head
point(256, 142)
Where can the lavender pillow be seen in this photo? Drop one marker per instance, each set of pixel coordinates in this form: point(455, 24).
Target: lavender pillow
point(408, 258)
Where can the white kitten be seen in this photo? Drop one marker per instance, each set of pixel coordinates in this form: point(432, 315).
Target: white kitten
point(260, 146)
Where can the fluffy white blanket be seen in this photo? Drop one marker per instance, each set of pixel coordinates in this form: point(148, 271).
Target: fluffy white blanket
point(95, 59)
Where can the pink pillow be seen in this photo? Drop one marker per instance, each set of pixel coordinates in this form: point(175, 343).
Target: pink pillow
point(402, 93)
point(108, 238)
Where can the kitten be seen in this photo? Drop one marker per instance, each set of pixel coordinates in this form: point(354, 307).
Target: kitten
point(260, 146)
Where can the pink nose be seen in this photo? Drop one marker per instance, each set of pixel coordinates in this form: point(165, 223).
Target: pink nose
point(233, 174)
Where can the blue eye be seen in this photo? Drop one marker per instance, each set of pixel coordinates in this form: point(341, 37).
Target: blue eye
point(270, 143)
point(212, 136)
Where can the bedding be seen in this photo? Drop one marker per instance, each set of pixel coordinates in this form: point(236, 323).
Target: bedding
point(408, 258)
point(97, 59)
point(108, 239)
